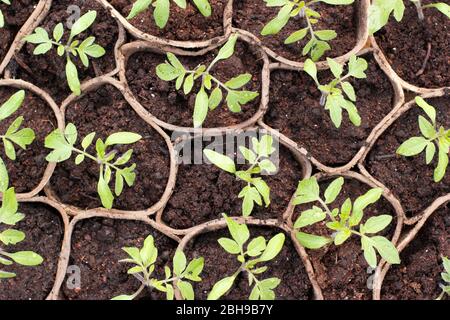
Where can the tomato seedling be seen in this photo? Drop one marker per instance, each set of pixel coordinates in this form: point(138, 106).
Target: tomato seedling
point(381, 10)
point(13, 136)
point(257, 251)
point(343, 221)
point(161, 9)
point(109, 161)
point(144, 260)
point(84, 49)
point(333, 93)
point(173, 69)
point(9, 215)
point(432, 139)
point(256, 190)
point(318, 43)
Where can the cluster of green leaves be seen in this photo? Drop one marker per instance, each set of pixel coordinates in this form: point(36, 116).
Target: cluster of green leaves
point(144, 260)
point(162, 9)
point(258, 251)
point(256, 190)
point(72, 48)
point(381, 10)
point(432, 137)
point(333, 93)
point(343, 221)
point(13, 135)
point(318, 43)
point(2, 18)
point(63, 145)
point(9, 215)
point(173, 69)
point(446, 277)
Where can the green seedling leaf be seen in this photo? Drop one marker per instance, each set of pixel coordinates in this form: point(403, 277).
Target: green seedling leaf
point(11, 236)
point(311, 241)
point(223, 162)
point(333, 190)
point(310, 217)
point(221, 288)
point(307, 191)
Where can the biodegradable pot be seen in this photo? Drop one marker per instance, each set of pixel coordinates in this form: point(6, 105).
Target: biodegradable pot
point(59, 211)
point(400, 41)
point(361, 40)
point(154, 47)
point(33, 21)
point(398, 101)
point(364, 180)
point(92, 86)
point(83, 215)
point(398, 111)
point(300, 158)
point(50, 167)
point(406, 240)
point(30, 27)
point(275, 224)
point(161, 41)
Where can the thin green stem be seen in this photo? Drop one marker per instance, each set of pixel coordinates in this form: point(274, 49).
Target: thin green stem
point(87, 155)
point(327, 209)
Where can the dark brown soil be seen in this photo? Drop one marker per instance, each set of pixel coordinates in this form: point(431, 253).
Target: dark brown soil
point(170, 105)
point(252, 16)
point(409, 178)
point(203, 192)
point(342, 271)
point(44, 233)
point(15, 14)
point(287, 266)
point(419, 275)
point(96, 249)
point(105, 112)
point(295, 110)
point(27, 170)
point(183, 25)
point(405, 45)
point(48, 71)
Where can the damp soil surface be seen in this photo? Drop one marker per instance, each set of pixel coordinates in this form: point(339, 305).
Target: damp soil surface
point(287, 266)
point(419, 275)
point(295, 110)
point(105, 111)
point(15, 15)
point(166, 103)
point(341, 271)
point(44, 232)
point(409, 178)
point(183, 24)
point(252, 16)
point(48, 71)
point(407, 44)
point(203, 192)
point(26, 172)
point(97, 248)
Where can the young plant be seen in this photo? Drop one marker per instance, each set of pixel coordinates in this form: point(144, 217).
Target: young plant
point(2, 18)
point(432, 137)
point(63, 145)
point(10, 216)
point(380, 11)
point(144, 264)
point(318, 43)
point(256, 190)
point(84, 49)
point(173, 69)
point(13, 135)
point(446, 277)
point(258, 251)
point(343, 221)
point(333, 93)
point(162, 9)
